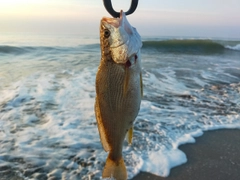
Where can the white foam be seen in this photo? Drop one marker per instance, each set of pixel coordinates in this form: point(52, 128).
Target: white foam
point(187, 138)
point(222, 126)
point(236, 47)
point(160, 163)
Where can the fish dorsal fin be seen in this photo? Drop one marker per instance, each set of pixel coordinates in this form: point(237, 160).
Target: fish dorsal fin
point(101, 130)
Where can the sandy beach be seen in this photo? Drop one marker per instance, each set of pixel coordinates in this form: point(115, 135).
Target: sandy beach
point(214, 156)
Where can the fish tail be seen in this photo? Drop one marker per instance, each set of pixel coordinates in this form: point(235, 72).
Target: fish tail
point(115, 169)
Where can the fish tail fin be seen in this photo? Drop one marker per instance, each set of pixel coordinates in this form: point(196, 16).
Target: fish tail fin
point(116, 170)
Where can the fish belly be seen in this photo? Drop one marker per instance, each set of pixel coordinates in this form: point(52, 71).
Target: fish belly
point(117, 103)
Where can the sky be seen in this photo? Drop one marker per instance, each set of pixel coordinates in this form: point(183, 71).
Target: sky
point(191, 18)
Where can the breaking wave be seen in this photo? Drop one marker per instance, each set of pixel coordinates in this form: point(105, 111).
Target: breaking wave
point(237, 47)
point(12, 50)
point(19, 50)
point(16, 50)
point(189, 46)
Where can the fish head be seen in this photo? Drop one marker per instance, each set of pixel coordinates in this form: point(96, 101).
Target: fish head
point(119, 38)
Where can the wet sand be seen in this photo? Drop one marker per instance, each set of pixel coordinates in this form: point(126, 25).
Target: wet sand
point(214, 156)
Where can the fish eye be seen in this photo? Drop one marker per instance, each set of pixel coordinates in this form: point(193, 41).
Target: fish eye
point(106, 33)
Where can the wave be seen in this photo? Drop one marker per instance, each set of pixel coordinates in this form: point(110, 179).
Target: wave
point(19, 50)
point(192, 46)
point(15, 50)
point(236, 47)
point(188, 46)
point(12, 50)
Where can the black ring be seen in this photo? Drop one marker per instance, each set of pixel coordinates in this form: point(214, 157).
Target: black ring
point(110, 10)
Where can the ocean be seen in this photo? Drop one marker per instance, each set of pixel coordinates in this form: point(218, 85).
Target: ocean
point(47, 92)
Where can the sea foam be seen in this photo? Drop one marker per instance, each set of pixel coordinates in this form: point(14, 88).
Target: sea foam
point(236, 47)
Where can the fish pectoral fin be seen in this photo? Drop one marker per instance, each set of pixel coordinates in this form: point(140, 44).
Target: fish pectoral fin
point(141, 83)
point(115, 169)
point(130, 135)
point(101, 129)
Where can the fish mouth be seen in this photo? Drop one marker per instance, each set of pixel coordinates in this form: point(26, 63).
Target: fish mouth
point(118, 45)
point(116, 22)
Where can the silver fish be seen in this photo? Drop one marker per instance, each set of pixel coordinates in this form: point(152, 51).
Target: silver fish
point(118, 90)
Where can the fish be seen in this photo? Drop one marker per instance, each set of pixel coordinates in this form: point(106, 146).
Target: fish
point(119, 90)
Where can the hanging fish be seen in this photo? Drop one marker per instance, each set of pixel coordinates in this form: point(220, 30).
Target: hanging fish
point(118, 90)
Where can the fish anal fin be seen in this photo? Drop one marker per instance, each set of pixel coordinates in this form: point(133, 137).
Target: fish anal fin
point(101, 129)
point(130, 135)
point(115, 169)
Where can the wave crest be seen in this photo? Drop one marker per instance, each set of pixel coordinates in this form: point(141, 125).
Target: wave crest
point(237, 47)
point(185, 46)
point(12, 50)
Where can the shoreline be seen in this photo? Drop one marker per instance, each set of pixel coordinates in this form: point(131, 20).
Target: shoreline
point(214, 155)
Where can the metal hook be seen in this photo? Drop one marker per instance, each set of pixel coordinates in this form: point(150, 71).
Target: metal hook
point(109, 8)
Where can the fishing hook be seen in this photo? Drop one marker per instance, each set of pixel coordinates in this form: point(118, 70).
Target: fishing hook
point(110, 10)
